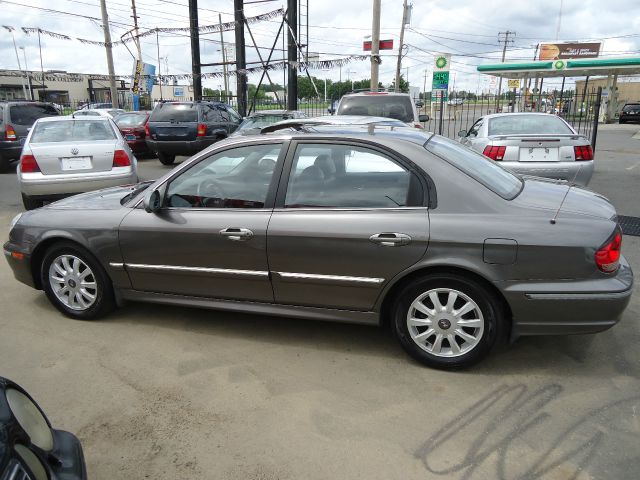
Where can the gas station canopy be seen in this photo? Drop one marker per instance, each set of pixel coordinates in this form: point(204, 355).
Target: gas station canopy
point(564, 68)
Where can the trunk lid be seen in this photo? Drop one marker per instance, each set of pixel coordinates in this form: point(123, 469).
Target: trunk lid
point(538, 148)
point(550, 195)
point(79, 157)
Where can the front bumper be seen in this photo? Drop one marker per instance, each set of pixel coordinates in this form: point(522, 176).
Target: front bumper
point(38, 185)
point(179, 147)
point(19, 260)
point(568, 307)
point(576, 172)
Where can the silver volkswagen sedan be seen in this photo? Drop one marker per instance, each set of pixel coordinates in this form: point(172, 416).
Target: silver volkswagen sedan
point(374, 225)
point(65, 155)
point(538, 144)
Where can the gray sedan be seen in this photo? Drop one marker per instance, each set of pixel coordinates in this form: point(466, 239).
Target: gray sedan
point(537, 144)
point(65, 155)
point(371, 225)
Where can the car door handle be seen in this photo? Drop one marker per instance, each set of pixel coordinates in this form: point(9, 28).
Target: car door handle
point(236, 234)
point(391, 239)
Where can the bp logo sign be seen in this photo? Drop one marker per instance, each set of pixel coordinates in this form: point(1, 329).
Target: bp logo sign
point(559, 65)
point(441, 62)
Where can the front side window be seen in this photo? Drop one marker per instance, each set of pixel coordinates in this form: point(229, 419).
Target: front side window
point(235, 178)
point(477, 166)
point(349, 176)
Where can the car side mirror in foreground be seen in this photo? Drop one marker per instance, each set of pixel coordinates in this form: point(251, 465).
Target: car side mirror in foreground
point(462, 133)
point(423, 117)
point(153, 200)
point(419, 104)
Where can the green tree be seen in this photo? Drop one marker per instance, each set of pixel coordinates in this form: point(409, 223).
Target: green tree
point(404, 85)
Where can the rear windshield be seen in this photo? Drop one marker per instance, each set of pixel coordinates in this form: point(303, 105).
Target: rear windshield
point(131, 119)
point(263, 120)
point(72, 131)
point(528, 124)
point(27, 114)
point(477, 166)
point(175, 112)
point(390, 106)
point(632, 108)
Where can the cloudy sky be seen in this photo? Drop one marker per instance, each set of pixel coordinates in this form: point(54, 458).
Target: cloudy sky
point(468, 29)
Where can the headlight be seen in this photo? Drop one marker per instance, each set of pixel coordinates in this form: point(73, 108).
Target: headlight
point(30, 419)
point(14, 221)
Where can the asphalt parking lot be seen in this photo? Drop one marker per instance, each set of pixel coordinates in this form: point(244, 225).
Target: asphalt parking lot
point(167, 392)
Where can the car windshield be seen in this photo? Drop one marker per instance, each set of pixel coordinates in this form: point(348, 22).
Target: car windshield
point(175, 112)
point(381, 105)
point(528, 124)
point(477, 166)
point(27, 114)
point(260, 121)
point(72, 131)
point(632, 108)
point(131, 119)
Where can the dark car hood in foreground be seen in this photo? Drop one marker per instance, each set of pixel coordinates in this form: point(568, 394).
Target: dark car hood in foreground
point(106, 199)
point(548, 194)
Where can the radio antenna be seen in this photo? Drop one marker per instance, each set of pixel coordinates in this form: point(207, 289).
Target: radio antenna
point(571, 185)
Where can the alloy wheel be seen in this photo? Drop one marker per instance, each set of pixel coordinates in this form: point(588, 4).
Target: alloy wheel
point(73, 282)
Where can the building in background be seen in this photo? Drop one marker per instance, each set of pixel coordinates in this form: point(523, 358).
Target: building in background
point(628, 90)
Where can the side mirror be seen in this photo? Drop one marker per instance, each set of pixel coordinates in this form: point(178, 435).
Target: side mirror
point(462, 133)
point(153, 199)
point(419, 104)
point(331, 110)
point(423, 117)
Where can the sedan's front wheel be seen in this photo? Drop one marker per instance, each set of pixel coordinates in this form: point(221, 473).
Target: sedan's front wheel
point(447, 321)
point(75, 283)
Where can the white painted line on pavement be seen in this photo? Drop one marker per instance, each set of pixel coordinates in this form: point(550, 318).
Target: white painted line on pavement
point(633, 166)
point(636, 136)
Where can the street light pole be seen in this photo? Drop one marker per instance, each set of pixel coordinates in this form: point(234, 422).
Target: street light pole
point(107, 41)
point(24, 89)
point(375, 46)
point(399, 65)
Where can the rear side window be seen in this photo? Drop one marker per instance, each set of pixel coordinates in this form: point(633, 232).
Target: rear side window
point(175, 112)
point(27, 114)
point(477, 166)
point(72, 131)
point(528, 124)
point(390, 106)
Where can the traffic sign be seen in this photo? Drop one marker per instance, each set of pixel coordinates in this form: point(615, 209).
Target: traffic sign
point(440, 81)
point(513, 83)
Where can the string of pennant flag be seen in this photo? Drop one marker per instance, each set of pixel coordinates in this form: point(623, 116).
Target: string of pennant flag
point(218, 27)
point(315, 65)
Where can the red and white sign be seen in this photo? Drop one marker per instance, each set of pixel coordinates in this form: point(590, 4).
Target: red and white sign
point(384, 45)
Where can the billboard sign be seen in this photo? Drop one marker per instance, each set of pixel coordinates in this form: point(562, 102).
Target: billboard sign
point(383, 45)
point(441, 62)
point(440, 81)
point(557, 51)
point(149, 76)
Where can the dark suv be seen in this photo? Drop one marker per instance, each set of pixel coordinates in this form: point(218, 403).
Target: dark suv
point(185, 128)
point(16, 119)
point(630, 113)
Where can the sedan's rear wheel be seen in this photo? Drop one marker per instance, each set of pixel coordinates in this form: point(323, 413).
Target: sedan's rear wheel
point(31, 203)
point(75, 283)
point(166, 159)
point(447, 321)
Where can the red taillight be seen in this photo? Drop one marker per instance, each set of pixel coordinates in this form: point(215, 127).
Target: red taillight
point(583, 152)
point(202, 130)
point(494, 152)
point(146, 130)
point(10, 133)
point(28, 164)
point(418, 125)
point(121, 159)
point(608, 257)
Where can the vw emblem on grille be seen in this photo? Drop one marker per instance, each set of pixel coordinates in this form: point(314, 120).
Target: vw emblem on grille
point(74, 151)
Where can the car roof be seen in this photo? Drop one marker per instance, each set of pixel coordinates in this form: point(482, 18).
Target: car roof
point(273, 112)
point(541, 114)
point(391, 94)
point(80, 118)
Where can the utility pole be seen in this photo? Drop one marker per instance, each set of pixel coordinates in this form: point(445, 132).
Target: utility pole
point(159, 73)
point(224, 58)
point(399, 65)
point(139, 70)
point(107, 41)
point(195, 50)
point(292, 55)
point(26, 69)
point(241, 61)
point(24, 88)
point(506, 40)
point(375, 45)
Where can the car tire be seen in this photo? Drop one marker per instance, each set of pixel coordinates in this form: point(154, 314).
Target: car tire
point(474, 332)
point(31, 203)
point(166, 159)
point(89, 293)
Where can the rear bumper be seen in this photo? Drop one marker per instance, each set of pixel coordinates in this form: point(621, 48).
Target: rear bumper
point(580, 171)
point(49, 186)
point(179, 147)
point(10, 150)
point(138, 146)
point(569, 307)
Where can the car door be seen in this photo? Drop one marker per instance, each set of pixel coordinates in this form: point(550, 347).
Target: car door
point(209, 238)
point(348, 219)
